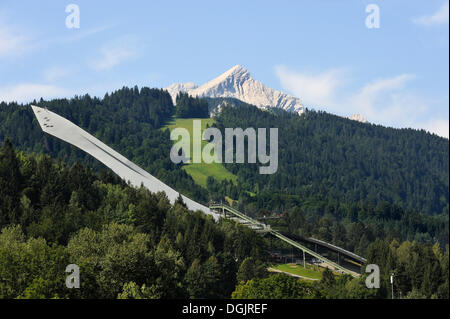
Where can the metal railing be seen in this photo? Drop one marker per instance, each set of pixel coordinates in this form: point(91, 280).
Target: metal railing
point(223, 208)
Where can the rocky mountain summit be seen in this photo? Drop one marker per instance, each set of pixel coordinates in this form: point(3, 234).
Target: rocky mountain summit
point(358, 117)
point(238, 83)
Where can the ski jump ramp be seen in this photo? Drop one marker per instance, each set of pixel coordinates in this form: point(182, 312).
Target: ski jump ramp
point(55, 125)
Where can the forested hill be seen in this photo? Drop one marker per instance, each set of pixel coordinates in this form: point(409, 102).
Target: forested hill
point(128, 120)
point(132, 244)
point(324, 156)
point(128, 242)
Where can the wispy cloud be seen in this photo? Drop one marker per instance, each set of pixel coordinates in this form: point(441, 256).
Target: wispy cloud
point(313, 89)
point(437, 126)
point(379, 99)
point(14, 41)
point(55, 73)
point(439, 17)
point(385, 101)
point(114, 53)
point(389, 102)
point(27, 92)
point(11, 42)
point(87, 33)
point(76, 35)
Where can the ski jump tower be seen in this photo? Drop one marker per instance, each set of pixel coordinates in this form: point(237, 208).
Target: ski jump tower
point(67, 131)
point(53, 124)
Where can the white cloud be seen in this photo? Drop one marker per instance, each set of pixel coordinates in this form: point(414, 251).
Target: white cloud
point(73, 36)
point(83, 34)
point(437, 126)
point(27, 92)
point(381, 100)
point(14, 41)
point(313, 89)
point(116, 52)
point(439, 17)
point(386, 101)
point(112, 57)
point(55, 73)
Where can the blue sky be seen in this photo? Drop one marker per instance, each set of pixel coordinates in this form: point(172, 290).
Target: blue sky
point(320, 51)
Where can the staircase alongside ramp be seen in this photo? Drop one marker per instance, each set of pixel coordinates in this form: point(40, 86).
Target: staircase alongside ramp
point(256, 225)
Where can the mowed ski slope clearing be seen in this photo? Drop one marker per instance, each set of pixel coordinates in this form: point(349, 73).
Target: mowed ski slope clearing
point(310, 271)
point(200, 171)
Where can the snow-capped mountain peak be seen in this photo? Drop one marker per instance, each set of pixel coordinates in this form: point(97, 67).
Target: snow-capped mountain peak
point(175, 88)
point(238, 83)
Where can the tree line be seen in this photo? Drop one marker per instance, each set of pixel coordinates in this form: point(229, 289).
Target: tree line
point(131, 243)
point(338, 180)
point(127, 241)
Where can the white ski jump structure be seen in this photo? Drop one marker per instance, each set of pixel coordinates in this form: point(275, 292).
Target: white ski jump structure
point(53, 124)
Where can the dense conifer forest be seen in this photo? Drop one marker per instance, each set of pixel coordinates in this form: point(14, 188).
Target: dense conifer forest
point(380, 192)
point(130, 243)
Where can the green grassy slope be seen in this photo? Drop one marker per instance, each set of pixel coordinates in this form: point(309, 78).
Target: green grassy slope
point(201, 171)
point(310, 271)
